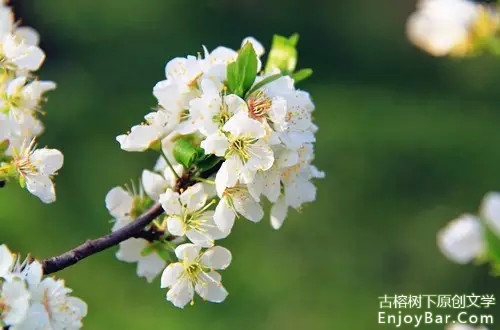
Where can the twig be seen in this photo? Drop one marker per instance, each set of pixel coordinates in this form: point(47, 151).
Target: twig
point(91, 247)
point(133, 229)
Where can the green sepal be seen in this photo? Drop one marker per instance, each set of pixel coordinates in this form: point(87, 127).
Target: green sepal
point(4, 145)
point(163, 248)
point(156, 146)
point(185, 153)
point(242, 72)
point(150, 248)
point(22, 182)
point(302, 74)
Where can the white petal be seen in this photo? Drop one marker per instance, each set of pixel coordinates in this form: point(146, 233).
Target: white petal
point(33, 273)
point(257, 46)
point(262, 157)
point(278, 213)
point(176, 226)
point(224, 216)
point(242, 125)
point(119, 202)
point(248, 207)
point(28, 35)
point(187, 252)
point(16, 297)
point(6, 260)
point(171, 274)
point(131, 249)
point(150, 266)
point(47, 161)
point(154, 184)
point(462, 239)
point(211, 288)
point(227, 176)
point(199, 238)
point(235, 104)
point(42, 187)
point(194, 198)
point(216, 257)
point(139, 138)
point(181, 293)
point(170, 202)
point(216, 144)
point(490, 210)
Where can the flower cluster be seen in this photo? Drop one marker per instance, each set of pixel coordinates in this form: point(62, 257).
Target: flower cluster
point(30, 302)
point(471, 237)
point(454, 27)
point(230, 134)
point(21, 95)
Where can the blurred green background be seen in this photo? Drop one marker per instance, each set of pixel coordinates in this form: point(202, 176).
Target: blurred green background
point(408, 142)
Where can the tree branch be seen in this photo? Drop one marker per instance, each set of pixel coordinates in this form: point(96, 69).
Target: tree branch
point(91, 247)
point(131, 230)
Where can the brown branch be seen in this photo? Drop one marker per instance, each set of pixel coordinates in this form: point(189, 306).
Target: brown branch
point(153, 234)
point(136, 229)
point(91, 247)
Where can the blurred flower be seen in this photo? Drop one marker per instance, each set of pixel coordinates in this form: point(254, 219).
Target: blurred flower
point(451, 27)
point(20, 99)
point(470, 237)
point(463, 327)
point(462, 239)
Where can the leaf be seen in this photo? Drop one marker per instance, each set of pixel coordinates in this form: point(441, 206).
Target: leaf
point(493, 246)
point(242, 72)
point(302, 74)
point(185, 153)
point(150, 248)
point(264, 82)
point(283, 54)
point(208, 162)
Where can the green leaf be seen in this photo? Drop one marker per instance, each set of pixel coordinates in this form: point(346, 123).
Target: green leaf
point(283, 54)
point(264, 82)
point(242, 72)
point(302, 74)
point(208, 162)
point(185, 153)
point(150, 248)
point(493, 246)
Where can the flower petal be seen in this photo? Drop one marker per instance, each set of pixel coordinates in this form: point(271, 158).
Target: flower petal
point(171, 275)
point(211, 288)
point(216, 257)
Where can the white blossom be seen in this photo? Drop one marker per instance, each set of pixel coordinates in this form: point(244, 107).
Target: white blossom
point(462, 239)
point(441, 26)
point(37, 167)
point(188, 215)
point(195, 272)
point(490, 211)
point(236, 201)
point(14, 302)
point(122, 205)
point(51, 306)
